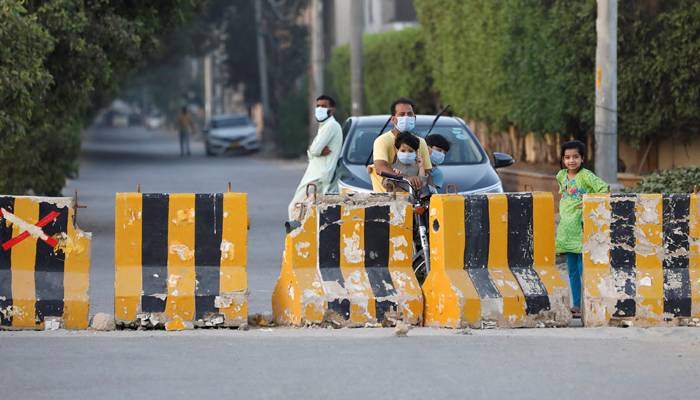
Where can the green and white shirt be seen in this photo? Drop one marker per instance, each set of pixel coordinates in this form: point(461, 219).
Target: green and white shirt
point(570, 228)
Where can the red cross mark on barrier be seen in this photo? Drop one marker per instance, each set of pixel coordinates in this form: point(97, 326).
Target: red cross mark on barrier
point(29, 229)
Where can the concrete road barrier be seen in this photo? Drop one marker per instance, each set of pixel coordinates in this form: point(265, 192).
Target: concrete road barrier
point(493, 262)
point(180, 260)
point(349, 263)
point(641, 259)
point(44, 264)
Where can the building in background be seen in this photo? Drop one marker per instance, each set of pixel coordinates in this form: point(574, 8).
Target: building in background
point(380, 16)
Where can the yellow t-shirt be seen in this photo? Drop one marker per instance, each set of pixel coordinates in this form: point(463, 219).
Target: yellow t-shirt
point(384, 149)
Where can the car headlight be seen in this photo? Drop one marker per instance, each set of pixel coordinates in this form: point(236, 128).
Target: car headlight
point(345, 188)
point(497, 188)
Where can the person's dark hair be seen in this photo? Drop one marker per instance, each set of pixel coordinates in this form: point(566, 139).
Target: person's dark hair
point(326, 97)
point(436, 140)
point(407, 137)
point(402, 100)
point(573, 144)
point(184, 109)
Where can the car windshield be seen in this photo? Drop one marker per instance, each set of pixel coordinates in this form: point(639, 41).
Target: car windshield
point(463, 148)
point(230, 122)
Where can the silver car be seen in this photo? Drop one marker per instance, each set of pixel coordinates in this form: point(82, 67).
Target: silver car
point(467, 167)
point(231, 133)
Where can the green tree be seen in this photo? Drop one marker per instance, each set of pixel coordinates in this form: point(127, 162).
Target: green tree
point(394, 66)
point(531, 64)
point(64, 59)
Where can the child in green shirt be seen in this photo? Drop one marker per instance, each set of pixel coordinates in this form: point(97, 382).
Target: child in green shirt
point(574, 181)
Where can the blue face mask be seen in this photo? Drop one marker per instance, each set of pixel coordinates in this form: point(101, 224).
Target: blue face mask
point(437, 157)
point(405, 124)
point(406, 157)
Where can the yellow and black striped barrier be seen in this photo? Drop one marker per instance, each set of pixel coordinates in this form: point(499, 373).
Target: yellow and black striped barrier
point(641, 259)
point(350, 261)
point(180, 260)
point(44, 264)
point(493, 262)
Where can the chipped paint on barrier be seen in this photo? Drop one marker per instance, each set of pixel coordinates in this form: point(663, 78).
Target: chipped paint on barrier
point(180, 256)
point(492, 262)
point(311, 296)
point(403, 280)
point(366, 277)
point(654, 286)
point(352, 250)
point(598, 246)
point(184, 216)
point(397, 212)
point(59, 202)
point(399, 244)
point(302, 249)
point(182, 251)
point(47, 286)
point(228, 250)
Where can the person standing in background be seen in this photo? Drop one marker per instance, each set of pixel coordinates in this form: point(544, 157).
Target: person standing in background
point(185, 128)
point(323, 153)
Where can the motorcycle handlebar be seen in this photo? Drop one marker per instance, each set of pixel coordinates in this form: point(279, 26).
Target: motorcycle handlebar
point(390, 176)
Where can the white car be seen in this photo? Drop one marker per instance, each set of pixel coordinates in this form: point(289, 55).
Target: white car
point(154, 121)
point(230, 133)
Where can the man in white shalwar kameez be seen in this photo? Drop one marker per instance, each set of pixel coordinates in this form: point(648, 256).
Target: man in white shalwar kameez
point(323, 153)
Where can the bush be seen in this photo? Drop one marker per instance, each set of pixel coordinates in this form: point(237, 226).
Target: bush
point(531, 63)
point(680, 180)
point(394, 66)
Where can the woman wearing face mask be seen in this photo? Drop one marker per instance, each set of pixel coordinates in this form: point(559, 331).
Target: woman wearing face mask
point(407, 161)
point(438, 147)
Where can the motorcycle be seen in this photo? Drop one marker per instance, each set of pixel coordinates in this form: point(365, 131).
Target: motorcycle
point(420, 200)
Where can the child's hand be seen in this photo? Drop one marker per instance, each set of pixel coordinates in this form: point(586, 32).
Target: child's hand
point(396, 172)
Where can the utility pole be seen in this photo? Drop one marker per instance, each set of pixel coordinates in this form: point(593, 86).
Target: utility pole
point(316, 84)
point(357, 22)
point(606, 93)
point(262, 71)
point(207, 88)
point(218, 95)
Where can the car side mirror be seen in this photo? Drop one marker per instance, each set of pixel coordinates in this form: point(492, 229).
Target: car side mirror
point(501, 160)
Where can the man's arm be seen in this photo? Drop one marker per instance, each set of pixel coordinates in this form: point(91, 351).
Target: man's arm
point(320, 143)
point(383, 166)
point(381, 157)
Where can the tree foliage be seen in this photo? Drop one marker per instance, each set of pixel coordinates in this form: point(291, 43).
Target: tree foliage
point(60, 60)
point(394, 66)
point(531, 64)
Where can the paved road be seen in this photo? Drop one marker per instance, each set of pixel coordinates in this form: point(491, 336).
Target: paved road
point(308, 363)
point(116, 160)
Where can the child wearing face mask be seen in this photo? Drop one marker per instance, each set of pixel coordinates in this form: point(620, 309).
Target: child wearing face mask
point(438, 147)
point(574, 181)
point(407, 161)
